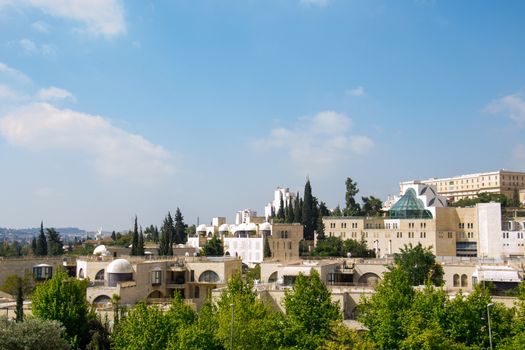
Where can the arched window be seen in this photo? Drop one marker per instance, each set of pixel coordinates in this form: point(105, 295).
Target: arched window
point(100, 275)
point(209, 276)
point(273, 277)
point(464, 281)
point(81, 273)
point(456, 280)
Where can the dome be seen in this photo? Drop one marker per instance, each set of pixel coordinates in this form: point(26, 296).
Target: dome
point(224, 228)
point(120, 266)
point(241, 227)
point(265, 226)
point(100, 250)
point(201, 228)
point(251, 227)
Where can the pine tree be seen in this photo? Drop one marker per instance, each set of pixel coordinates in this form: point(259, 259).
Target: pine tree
point(308, 220)
point(135, 240)
point(166, 233)
point(155, 234)
point(41, 243)
point(352, 207)
point(180, 228)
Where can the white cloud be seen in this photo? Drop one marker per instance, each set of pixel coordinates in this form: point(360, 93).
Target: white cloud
point(28, 46)
point(319, 141)
point(320, 3)
point(53, 93)
point(7, 93)
point(40, 26)
point(512, 106)
point(114, 152)
point(358, 92)
point(100, 17)
point(12, 73)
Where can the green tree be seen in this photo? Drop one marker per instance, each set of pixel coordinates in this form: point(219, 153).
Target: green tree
point(290, 218)
point(337, 212)
point(308, 219)
point(64, 299)
point(267, 250)
point(140, 246)
point(114, 236)
point(254, 321)
point(32, 334)
point(180, 228)
point(298, 209)
point(280, 211)
point(309, 312)
point(19, 287)
point(372, 206)
point(352, 207)
point(420, 264)
point(357, 249)
point(55, 246)
point(33, 245)
point(213, 247)
point(331, 246)
point(41, 242)
point(343, 338)
point(135, 239)
point(166, 233)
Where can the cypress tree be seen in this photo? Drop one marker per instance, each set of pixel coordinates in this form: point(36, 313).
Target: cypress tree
point(297, 209)
point(180, 228)
point(135, 240)
point(290, 212)
point(155, 234)
point(55, 246)
point(41, 242)
point(280, 212)
point(308, 220)
point(33, 245)
point(166, 233)
point(267, 252)
point(140, 245)
point(114, 236)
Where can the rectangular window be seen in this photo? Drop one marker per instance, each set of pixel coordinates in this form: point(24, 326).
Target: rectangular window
point(156, 277)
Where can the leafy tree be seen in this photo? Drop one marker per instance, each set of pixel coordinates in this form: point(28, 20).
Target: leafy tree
point(190, 230)
point(309, 312)
point(41, 242)
point(357, 249)
point(254, 321)
point(384, 312)
point(483, 197)
point(135, 239)
point(64, 299)
point(180, 228)
point(308, 220)
point(19, 287)
point(33, 333)
point(337, 212)
point(331, 246)
point(372, 206)
point(33, 245)
point(55, 246)
point(322, 212)
point(342, 338)
point(420, 264)
point(352, 207)
point(213, 247)
point(254, 273)
point(166, 233)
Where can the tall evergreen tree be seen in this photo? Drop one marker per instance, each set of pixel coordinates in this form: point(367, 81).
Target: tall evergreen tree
point(297, 209)
point(114, 236)
point(180, 228)
point(308, 220)
point(33, 245)
point(352, 207)
point(280, 212)
point(290, 212)
point(135, 239)
point(155, 234)
point(322, 212)
point(41, 242)
point(267, 251)
point(166, 233)
point(140, 245)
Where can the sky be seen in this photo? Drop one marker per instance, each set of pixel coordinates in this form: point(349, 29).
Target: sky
point(111, 109)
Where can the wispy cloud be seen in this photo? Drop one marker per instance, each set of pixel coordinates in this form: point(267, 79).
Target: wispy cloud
point(511, 106)
point(99, 17)
point(29, 47)
point(53, 94)
point(319, 141)
point(358, 91)
point(40, 26)
point(114, 152)
point(320, 3)
point(11, 73)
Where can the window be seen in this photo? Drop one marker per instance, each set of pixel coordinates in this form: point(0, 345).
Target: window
point(209, 276)
point(197, 292)
point(156, 276)
point(456, 280)
point(42, 272)
point(423, 235)
point(464, 281)
point(450, 235)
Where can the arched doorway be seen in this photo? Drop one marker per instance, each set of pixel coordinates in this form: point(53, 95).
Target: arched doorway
point(273, 277)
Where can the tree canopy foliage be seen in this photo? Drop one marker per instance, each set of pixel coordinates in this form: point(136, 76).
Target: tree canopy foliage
point(420, 264)
point(213, 247)
point(335, 246)
point(31, 334)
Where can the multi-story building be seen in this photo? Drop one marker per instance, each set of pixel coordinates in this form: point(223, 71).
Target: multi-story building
point(509, 183)
point(420, 216)
point(156, 279)
point(280, 193)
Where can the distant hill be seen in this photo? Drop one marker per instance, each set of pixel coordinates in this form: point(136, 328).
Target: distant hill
point(36, 230)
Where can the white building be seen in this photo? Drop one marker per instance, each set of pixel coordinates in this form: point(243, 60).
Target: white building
point(244, 216)
point(280, 192)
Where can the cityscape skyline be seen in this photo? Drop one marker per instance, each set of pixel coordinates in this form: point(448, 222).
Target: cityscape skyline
point(114, 109)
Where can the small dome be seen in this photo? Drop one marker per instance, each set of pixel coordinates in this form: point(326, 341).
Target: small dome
point(120, 266)
point(241, 227)
point(100, 250)
point(201, 228)
point(251, 227)
point(265, 226)
point(224, 228)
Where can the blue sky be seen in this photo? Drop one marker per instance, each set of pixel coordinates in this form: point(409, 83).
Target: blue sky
point(110, 109)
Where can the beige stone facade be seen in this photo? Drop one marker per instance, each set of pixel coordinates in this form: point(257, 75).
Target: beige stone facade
point(468, 186)
point(285, 240)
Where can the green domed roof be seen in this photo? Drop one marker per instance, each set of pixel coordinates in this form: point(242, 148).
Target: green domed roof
point(409, 207)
